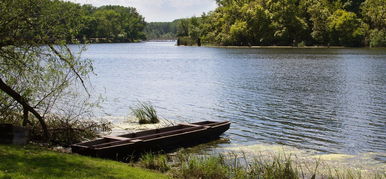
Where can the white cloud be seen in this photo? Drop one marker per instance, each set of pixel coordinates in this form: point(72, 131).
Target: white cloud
point(160, 10)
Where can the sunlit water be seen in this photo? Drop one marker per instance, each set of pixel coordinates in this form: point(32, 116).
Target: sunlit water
point(325, 100)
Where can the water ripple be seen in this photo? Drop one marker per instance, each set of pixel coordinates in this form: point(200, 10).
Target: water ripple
point(329, 100)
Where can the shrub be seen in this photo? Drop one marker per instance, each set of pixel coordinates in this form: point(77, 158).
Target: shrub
point(145, 113)
point(64, 131)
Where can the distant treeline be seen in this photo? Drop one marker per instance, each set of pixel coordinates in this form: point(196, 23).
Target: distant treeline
point(289, 22)
point(111, 24)
point(239, 22)
point(84, 23)
point(161, 30)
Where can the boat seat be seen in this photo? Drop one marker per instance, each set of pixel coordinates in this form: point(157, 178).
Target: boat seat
point(136, 140)
point(171, 132)
point(189, 124)
point(117, 138)
point(116, 142)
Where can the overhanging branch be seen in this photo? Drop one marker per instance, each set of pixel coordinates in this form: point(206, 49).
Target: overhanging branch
point(17, 97)
point(71, 66)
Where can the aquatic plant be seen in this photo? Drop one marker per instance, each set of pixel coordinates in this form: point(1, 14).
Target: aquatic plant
point(145, 113)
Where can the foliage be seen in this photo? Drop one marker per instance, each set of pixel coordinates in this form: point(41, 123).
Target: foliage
point(182, 27)
point(111, 24)
point(374, 13)
point(186, 41)
point(161, 30)
point(319, 14)
point(287, 22)
point(145, 113)
point(71, 121)
point(39, 71)
point(345, 28)
point(378, 38)
point(38, 162)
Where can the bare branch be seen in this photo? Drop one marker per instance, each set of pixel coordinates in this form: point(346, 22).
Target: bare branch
point(71, 66)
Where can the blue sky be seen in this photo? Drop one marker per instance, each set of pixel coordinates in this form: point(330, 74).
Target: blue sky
point(160, 10)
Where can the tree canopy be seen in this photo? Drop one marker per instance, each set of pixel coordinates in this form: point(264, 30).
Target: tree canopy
point(36, 66)
point(161, 30)
point(291, 22)
point(112, 24)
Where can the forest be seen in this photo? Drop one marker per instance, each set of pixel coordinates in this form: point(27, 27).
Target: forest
point(351, 23)
point(111, 24)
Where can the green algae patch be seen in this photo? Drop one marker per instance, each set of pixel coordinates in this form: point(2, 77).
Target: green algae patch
point(38, 162)
point(334, 157)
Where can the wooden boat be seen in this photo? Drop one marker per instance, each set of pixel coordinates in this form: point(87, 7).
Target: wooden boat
point(130, 146)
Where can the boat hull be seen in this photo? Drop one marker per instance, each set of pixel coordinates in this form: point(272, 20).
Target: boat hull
point(159, 140)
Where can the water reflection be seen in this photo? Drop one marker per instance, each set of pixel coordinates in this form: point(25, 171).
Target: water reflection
point(328, 100)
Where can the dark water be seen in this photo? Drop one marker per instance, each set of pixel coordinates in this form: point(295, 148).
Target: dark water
point(329, 100)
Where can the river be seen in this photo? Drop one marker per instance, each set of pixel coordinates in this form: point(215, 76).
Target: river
point(325, 100)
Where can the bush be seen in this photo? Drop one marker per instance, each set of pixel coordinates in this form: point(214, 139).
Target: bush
point(145, 113)
point(69, 120)
point(63, 130)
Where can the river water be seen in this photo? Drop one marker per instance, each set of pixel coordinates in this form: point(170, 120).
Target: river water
point(325, 100)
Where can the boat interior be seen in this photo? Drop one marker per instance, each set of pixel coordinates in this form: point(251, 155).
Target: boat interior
point(148, 134)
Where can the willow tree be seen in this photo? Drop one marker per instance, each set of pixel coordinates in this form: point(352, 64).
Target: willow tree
point(36, 65)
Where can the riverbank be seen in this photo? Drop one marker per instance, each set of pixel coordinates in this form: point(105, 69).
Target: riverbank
point(282, 47)
point(278, 47)
point(38, 162)
point(32, 161)
point(235, 165)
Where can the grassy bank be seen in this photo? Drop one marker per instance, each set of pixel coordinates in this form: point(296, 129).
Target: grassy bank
point(38, 162)
point(237, 166)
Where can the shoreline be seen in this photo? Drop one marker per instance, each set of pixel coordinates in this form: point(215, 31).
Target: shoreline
point(366, 161)
point(282, 47)
point(237, 47)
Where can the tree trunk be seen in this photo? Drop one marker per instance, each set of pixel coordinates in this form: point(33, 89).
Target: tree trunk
point(17, 97)
point(25, 116)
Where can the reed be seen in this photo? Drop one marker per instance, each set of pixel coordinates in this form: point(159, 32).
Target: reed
point(145, 113)
point(235, 165)
point(154, 162)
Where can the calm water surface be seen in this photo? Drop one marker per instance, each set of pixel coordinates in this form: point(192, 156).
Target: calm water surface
point(329, 100)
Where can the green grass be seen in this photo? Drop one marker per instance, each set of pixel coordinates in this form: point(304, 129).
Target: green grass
point(37, 162)
point(154, 162)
